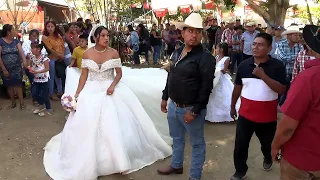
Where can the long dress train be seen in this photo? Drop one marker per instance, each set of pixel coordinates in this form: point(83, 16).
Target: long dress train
point(107, 134)
point(218, 107)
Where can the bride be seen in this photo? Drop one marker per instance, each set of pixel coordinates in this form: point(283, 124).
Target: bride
point(110, 132)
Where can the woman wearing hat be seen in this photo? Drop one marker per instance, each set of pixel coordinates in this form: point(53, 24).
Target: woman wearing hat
point(297, 136)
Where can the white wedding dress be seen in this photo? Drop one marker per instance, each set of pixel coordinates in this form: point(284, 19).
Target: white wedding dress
point(108, 134)
point(218, 107)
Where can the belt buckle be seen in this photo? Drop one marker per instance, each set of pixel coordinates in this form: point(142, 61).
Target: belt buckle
point(179, 105)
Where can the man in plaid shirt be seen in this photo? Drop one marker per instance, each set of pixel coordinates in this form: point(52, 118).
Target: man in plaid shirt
point(287, 51)
point(302, 58)
point(288, 54)
point(228, 34)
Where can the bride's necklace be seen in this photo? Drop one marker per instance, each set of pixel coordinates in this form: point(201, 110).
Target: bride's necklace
point(99, 51)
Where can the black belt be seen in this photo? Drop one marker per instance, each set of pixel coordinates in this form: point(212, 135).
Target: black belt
point(179, 105)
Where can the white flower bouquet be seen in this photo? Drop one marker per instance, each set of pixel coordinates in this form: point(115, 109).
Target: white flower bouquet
point(68, 102)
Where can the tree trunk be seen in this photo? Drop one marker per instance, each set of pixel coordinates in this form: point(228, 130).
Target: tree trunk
point(309, 13)
point(276, 11)
point(277, 14)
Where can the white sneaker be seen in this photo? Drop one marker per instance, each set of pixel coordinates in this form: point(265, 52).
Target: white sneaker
point(40, 109)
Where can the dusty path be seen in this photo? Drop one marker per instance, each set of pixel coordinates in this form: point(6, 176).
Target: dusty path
point(23, 135)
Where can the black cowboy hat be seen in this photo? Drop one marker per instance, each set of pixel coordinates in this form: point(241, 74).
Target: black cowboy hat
point(311, 35)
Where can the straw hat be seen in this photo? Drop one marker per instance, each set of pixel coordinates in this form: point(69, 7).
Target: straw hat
point(291, 30)
point(194, 20)
point(229, 21)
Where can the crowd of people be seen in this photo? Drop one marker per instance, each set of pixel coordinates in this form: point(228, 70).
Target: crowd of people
point(203, 57)
point(60, 46)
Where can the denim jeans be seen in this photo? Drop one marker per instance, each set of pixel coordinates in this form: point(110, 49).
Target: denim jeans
point(61, 73)
point(195, 131)
point(162, 50)
point(53, 78)
point(41, 92)
point(283, 97)
point(136, 57)
point(156, 54)
point(236, 58)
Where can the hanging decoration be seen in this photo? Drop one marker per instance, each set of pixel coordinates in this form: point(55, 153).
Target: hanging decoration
point(39, 8)
point(185, 9)
point(160, 12)
point(146, 5)
point(209, 5)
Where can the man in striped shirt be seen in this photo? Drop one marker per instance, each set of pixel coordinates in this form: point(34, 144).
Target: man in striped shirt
point(259, 81)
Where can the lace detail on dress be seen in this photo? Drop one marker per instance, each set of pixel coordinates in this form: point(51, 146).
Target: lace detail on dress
point(101, 72)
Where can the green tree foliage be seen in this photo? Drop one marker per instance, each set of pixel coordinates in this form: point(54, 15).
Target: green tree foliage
point(303, 14)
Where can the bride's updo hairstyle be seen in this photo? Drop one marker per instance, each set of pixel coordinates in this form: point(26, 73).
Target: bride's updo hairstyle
point(97, 33)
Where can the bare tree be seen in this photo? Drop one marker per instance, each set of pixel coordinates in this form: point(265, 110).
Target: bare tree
point(272, 11)
point(309, 13)
point(16, 13)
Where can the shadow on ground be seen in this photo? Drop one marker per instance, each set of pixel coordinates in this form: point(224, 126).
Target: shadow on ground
point(23, 136)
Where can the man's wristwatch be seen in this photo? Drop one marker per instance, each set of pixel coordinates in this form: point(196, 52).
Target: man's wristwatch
point(193, 114)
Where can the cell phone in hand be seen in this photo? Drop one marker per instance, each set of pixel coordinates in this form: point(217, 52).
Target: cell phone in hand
point(279, 156)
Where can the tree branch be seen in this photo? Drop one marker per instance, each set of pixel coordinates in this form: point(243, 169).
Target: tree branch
point(257, 9)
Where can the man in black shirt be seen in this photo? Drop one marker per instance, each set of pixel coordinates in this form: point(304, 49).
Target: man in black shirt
point(211, 31)
point(189, 85)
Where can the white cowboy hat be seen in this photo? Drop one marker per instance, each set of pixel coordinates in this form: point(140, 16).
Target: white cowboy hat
point(194, 20)
point(251, 23)
point(229, 21)
point(291, 30)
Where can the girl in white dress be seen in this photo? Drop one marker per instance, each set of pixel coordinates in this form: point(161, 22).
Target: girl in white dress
point(218, 108)
point(110, 132)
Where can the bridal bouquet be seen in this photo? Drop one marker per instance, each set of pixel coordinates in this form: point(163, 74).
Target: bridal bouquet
point(68, 102)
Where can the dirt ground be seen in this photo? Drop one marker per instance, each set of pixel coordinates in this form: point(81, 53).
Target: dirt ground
point(23, 136)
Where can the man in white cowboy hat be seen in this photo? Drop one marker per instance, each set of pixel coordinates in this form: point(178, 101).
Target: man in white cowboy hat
point(228, 33)
point(287, 51)
point(189, 85)
point(298, 132)
point(247, 40)
point(211, 31)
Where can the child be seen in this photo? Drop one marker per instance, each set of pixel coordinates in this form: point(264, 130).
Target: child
point(40, 69)
point(26, 47)
point(78, 51)
point(218, 107)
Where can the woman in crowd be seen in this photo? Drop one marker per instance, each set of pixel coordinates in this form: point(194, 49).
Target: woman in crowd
point(173, 38)
point(67, 31)
point(10, 63)
point(55, 48)
point(155, 40)
point(144, 39)
point(26, 47)
point(133, 43)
